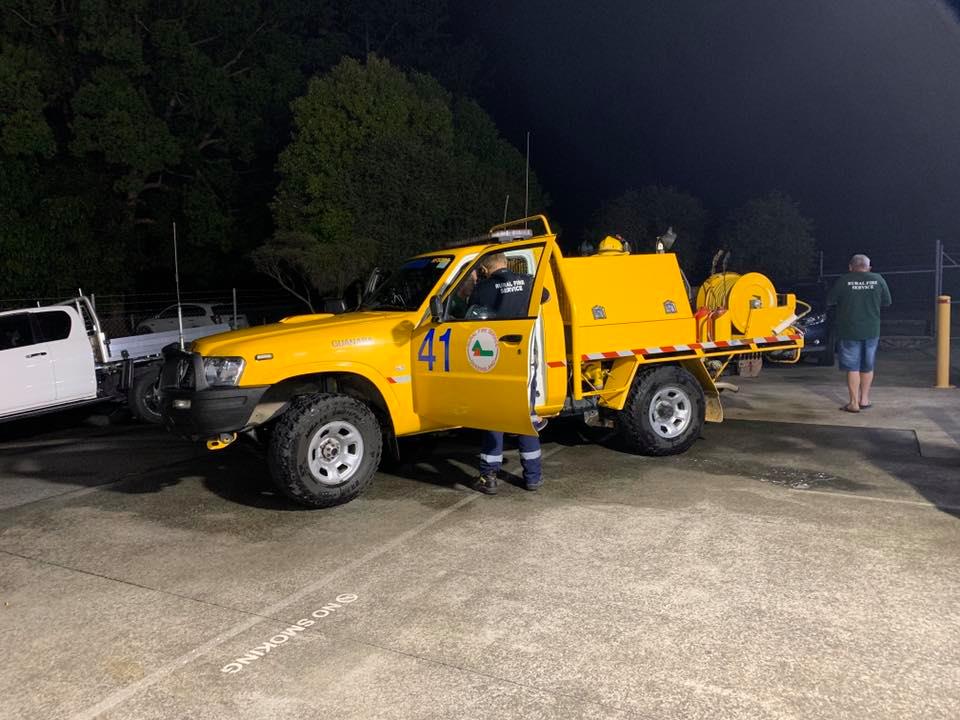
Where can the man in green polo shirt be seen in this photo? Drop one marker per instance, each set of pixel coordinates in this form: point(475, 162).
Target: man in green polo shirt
point(858, 295)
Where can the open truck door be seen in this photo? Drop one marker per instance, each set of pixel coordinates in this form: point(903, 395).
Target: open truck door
point(472, 368)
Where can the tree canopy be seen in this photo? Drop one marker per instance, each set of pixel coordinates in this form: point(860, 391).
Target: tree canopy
point(119, 116)
point(770, 235)
point(641, 216)
point(385, 164)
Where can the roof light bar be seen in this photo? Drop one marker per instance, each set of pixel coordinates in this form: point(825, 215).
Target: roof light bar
point(508, 235)
point(497, 236)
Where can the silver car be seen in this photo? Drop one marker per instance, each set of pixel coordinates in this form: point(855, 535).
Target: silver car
point(194, 315)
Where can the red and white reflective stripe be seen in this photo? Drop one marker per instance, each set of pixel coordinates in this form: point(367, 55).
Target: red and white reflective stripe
point(398, 379)
point(662, 349)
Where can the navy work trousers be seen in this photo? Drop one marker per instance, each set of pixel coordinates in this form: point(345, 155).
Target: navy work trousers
point(491, 455)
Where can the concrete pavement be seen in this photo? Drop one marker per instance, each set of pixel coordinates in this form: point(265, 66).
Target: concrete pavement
point(794, 564)
point(904, 399)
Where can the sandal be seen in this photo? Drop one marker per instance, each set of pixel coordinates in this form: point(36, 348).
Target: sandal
point(847, 408)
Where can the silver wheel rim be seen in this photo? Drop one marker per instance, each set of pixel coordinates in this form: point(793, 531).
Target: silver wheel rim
point(335, 453)
point(670, 411)
point(151, 400)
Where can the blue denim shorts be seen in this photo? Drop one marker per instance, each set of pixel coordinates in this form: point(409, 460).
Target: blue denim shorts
point(857, 355)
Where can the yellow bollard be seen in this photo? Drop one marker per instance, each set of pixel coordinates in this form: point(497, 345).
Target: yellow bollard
point(943, 342)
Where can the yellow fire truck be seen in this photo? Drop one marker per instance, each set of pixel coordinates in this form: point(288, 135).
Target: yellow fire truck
point(616, 338)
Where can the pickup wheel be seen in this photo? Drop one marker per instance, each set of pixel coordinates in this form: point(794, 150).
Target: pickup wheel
point(144, 398)
point(664, 413)
point(324, 450)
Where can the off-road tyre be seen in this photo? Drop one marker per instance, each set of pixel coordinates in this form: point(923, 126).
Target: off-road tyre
point(144, 398)
point(665, 384)
point(290, 443)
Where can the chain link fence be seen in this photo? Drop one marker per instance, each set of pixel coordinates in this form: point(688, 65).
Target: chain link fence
point(121, 313)
point(915, 278)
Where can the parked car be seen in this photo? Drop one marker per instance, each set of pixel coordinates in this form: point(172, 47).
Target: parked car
point(194, 315)
point(818, 326)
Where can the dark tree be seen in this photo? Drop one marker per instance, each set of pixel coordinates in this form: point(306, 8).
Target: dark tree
point(384, 165)
point(120, 116)
point(642, 216)
point(770, 235)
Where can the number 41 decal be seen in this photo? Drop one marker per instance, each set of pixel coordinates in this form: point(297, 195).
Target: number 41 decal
point(428, 357)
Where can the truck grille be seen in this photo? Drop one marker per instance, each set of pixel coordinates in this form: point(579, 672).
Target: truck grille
point(179, 370)
point(185, 374)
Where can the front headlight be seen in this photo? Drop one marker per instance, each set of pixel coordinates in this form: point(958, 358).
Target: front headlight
point(222, 371)
point(814, 319)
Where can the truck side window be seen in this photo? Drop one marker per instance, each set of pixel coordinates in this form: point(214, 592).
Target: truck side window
point(503, 294)
point(15, 331)
point(53, 325)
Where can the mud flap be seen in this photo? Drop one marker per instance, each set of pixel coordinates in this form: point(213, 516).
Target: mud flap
point(714, 408)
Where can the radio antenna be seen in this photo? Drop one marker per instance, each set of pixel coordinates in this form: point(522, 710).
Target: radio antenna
point(176, 277)
point(526, 191)
point(506, 204)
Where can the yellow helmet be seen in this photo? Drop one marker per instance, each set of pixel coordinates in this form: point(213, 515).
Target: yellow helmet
point(611, 246)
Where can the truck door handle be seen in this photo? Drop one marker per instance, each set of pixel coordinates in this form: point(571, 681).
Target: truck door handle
point(38, 354)
point(511, 339)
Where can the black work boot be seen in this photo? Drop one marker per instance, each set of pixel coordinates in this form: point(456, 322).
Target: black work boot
point(487, 484)
point(533, 485)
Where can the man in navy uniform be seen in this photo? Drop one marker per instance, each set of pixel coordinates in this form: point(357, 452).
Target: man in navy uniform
point(502, 293)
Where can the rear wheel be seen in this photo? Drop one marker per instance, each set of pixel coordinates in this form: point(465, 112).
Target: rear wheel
point(324, 450)
point(664, 413)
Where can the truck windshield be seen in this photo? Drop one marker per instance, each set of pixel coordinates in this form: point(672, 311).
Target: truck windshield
point(409, 286)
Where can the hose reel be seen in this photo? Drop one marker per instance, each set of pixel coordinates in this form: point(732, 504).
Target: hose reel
point(738, 294)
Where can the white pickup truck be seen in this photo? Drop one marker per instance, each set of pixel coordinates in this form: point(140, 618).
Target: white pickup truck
point(57, 357)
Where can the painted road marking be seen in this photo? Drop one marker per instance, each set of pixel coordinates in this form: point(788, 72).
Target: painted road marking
point(267, 613)
point(123, 694)
point(930, 504)
point(288, 633)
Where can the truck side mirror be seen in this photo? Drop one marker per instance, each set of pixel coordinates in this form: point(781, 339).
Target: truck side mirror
point(373, 282)
point(436, 309)
point(334, 305)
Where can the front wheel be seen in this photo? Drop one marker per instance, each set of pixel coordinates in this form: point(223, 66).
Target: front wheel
point(324, 450)
point(664, 413)
point(144, 397)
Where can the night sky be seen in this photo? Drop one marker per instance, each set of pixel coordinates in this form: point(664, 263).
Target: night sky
point(852, 107)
